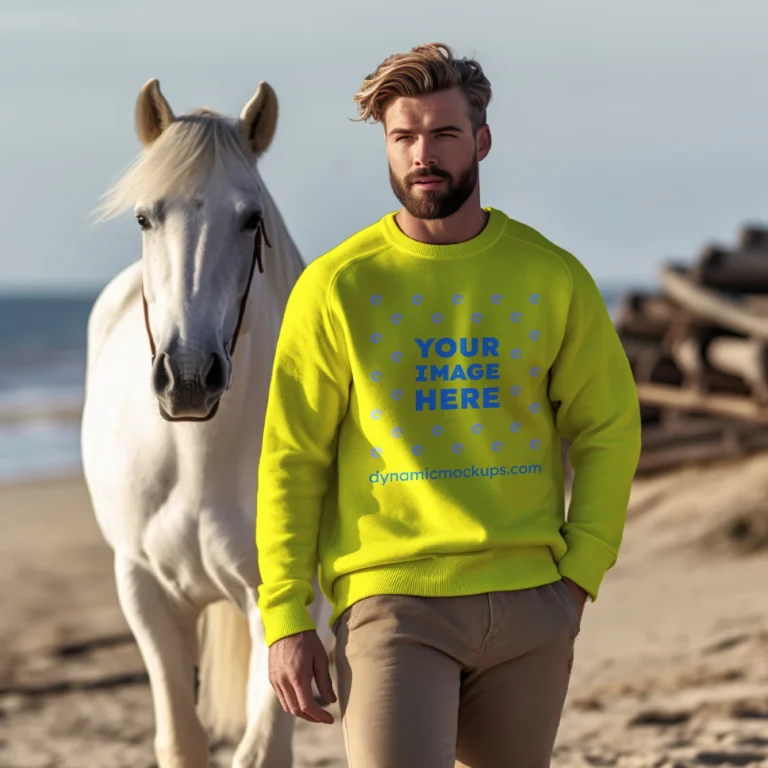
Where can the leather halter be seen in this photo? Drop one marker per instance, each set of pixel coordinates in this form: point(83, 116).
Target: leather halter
point(261, 232)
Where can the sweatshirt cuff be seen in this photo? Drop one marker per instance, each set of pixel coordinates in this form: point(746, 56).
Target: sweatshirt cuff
point(284, 619)
point(586, 561)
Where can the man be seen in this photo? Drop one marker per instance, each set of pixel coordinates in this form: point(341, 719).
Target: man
point(426, 370)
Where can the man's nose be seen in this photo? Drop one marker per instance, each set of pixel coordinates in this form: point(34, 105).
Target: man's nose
point(425, 153)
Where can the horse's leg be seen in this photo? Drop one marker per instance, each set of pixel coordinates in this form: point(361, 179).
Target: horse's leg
point(168, 644)
point(268, 740)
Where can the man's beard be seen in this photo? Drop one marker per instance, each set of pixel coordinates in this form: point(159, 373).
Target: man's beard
point(434, 204)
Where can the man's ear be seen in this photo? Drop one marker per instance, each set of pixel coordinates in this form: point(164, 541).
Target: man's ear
point(483, 141)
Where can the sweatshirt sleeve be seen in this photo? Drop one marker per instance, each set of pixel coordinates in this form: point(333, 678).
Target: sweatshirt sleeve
point(307, 401)
point(593, 391)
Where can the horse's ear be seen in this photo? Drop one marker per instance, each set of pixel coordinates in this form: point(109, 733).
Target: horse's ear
point(258, 119)
point(153, 113)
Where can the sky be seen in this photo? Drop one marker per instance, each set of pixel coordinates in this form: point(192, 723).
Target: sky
point(629, 133)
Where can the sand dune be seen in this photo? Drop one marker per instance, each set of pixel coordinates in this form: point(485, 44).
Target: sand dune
point(671, 667)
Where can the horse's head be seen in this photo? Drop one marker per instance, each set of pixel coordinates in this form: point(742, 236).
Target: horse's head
point(198, 202)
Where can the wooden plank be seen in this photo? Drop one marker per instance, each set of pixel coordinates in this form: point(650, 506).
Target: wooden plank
point(685, 399)
point(674, 456)
point(686, 352)
point(642, 315)
point(689, 428)
point(712, 305)
point(743, 271)
point(688, 346)
point(682, 431)
point(730, 444)
point(745, 358)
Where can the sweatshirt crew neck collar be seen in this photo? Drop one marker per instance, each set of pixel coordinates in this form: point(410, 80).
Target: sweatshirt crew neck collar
point(482, 241)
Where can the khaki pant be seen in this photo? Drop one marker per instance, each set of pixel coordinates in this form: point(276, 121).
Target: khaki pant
point(480, 680)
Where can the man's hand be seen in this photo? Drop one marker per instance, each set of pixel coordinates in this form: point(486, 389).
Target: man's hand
point(579, 595)
point(293, 661)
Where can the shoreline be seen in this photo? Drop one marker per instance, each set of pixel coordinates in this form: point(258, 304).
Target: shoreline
point(18, 414)
point(33, 481)
point(39, 443)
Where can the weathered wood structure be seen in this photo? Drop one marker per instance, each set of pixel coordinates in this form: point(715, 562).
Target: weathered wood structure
point(698, 348)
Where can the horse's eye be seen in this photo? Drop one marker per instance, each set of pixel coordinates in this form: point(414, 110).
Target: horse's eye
point(143, 221)
point(252, 222)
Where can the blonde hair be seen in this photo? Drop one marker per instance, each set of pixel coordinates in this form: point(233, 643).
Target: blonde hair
point(191, 148)
point(425, 69)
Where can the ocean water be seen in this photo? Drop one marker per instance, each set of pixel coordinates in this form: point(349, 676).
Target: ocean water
point(42, 375)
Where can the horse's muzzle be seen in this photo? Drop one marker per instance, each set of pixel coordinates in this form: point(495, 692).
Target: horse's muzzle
point(187, 391)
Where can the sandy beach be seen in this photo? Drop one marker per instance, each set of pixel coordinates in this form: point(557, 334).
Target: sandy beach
point(671, 665)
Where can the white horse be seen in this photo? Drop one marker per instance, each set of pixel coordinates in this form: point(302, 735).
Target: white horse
point(180, 352)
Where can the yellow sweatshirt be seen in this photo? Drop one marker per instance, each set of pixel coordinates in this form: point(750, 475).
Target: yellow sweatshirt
point(412, 435)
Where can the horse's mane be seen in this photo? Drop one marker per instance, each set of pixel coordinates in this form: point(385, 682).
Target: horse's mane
point(193, 147)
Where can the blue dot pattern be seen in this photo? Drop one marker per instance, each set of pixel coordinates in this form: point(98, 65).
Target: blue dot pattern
point(397, 356)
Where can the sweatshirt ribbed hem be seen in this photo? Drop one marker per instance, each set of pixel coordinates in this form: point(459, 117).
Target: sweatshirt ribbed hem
point(449, 576)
